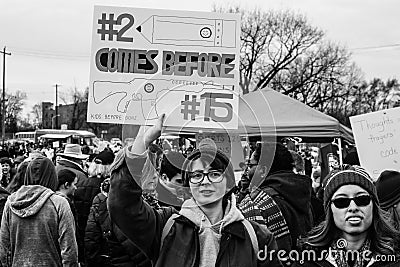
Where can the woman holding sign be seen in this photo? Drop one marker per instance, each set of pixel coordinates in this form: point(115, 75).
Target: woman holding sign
point(208, 231)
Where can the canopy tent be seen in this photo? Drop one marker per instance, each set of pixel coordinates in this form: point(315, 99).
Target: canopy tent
point(269, 113)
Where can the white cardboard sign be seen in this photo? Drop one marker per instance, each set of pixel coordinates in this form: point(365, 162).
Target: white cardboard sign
point(377, 137)
point(146, 62)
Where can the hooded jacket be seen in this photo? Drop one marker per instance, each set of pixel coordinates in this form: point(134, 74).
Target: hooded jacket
point(191, 238)
point(37, 229)
point(294, 200)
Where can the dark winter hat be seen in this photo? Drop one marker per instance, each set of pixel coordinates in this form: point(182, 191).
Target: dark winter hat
point(388, 187)
point(105, 157)
point(209, 152)
point(355, 176)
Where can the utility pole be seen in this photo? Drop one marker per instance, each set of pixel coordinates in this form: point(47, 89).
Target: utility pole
point(56, 85)
point(3, 100)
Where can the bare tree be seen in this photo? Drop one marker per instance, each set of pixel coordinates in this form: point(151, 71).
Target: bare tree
point(14, 106)
point(37, 114)
point(283, 51)
point(270, 42)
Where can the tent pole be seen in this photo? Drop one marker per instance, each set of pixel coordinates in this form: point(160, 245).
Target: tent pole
point(340, 151)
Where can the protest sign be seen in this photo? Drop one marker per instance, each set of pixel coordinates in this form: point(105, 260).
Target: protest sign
point(56, 144)
point(146, 62)
point(377, 137)
point(230, 144)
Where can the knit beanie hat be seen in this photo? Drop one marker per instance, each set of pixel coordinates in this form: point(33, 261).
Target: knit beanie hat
point(105, 157)
point(209, 152)
point(388, 187)
point(355, 176)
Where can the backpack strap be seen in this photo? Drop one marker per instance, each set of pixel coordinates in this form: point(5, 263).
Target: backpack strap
point(252, 234)
point(167, 227)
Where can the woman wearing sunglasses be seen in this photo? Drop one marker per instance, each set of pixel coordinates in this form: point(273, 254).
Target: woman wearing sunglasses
point(208, 231)
point(354, 232)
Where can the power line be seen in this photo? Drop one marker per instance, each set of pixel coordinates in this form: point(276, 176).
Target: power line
point(375, 47)
point(49, 54)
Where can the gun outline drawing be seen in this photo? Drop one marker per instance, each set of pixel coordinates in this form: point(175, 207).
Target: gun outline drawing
point(146, 92)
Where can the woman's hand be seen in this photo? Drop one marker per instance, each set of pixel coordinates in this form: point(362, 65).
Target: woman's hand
point(154, 131)
point(143, 141)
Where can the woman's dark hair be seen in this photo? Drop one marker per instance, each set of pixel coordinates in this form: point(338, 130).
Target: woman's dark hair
point(217, 160)
point(6, 160)
point(384, 237)
point(18, 180)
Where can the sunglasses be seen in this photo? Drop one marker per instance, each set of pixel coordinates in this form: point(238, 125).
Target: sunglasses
point(344, 202)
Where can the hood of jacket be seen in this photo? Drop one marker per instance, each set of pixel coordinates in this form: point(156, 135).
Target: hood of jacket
point(193, 212)
point(29, 199)
point(295, 188)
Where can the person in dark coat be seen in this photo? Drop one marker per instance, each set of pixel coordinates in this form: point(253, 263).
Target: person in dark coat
point(355, 232)
point(105, 244)
point(388, 188)
point(66, 187)
point(288, 193)
point(72, 159)
point(317, 207)
point(209, 230)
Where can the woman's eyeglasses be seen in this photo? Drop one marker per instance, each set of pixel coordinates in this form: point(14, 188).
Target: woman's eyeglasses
point(344, 202)
point(197, 177)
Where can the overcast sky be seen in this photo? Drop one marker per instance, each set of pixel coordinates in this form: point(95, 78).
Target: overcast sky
point(50, 39)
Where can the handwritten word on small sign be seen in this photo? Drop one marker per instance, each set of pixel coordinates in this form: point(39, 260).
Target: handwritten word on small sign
point(229, 144)
point(146, 62)
point(377, 137)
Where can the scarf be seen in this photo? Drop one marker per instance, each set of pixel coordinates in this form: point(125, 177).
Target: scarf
point(343, 257)
point(210, 234)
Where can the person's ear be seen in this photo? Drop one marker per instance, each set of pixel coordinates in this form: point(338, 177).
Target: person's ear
point(164, 177)
point(66, 185)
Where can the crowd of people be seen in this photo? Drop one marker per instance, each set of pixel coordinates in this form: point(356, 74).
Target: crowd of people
point(145, 206)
